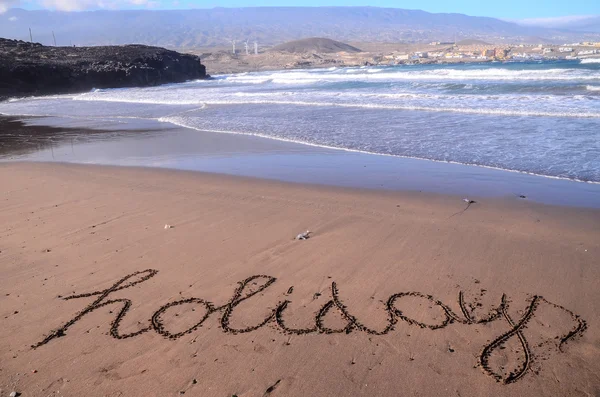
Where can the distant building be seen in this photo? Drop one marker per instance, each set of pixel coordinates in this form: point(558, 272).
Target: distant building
point(565, 49)
point(487, 53)
point(547, 50)
point(454, 55)
point(589, 44)
point(402, 57)
point(521, 55)
point(500, 53)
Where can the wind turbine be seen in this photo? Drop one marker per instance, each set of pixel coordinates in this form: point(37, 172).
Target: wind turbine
point(255, 48)
point(233, 44)
point(246, 47)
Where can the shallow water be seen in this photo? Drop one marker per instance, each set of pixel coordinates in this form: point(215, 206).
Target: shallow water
point(149, 143)
point(539, 118)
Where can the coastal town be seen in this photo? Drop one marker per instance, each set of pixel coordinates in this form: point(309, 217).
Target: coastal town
point(480, 51)
point(309, 55)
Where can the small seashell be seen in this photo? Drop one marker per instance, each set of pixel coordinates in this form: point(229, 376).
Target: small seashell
point(303, 236)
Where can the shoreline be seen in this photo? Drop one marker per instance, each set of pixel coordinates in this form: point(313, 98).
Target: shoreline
point(264, 136)
point(222, 62)
point(504, 201)
point(80, 229)
point(218, 72)
point(154, 144)
point(240, 69)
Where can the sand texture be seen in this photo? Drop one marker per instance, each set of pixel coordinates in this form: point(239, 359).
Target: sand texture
point(394, 293)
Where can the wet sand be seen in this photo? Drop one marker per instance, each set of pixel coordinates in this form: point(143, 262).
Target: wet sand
point(149, 143)
point(226, 302)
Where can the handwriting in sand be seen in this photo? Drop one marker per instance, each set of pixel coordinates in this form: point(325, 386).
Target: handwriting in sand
point(395, 314)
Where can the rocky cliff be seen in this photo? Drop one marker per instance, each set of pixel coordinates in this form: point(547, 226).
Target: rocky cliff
point(34, 69)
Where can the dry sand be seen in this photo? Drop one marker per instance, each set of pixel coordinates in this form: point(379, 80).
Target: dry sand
point(68, 229)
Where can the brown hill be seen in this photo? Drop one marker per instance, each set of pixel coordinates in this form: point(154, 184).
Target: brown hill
point(472, 42)
point(315, 44)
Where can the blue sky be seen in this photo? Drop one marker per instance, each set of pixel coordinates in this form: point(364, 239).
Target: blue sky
point(508, 9)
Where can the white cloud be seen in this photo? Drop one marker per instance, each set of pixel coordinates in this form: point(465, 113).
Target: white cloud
point(555, 22)
point(6, 4)
point(12, 19)
point(80, 5)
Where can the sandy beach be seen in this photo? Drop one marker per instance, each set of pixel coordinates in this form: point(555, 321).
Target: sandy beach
point(394, 294)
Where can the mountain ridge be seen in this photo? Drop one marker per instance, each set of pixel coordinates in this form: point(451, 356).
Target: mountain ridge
point(268, 25)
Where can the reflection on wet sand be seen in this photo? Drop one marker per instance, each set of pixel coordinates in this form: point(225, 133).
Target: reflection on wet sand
point(151, 143)
point(21, 137)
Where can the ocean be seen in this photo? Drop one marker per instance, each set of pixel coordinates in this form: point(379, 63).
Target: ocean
point(540, 118)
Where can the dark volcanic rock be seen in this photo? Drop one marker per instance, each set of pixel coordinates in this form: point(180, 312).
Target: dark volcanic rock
point(30, 68)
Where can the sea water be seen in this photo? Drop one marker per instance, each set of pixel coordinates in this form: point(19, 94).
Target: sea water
point(541, 118)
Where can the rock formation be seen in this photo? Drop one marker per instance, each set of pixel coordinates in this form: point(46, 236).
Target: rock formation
point(34, 69)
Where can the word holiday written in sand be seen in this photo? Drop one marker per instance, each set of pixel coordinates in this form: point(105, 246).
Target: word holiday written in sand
point(244, 291)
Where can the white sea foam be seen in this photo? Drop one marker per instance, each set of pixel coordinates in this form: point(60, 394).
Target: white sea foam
point(508, 105)
point(398, 94)
point(590, 60)
point(492, 111)
point(389, 74)
point(273, 100)
point(140, 100)
point(41, 98)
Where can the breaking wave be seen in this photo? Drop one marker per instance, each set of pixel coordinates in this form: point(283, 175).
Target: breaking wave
point(536, 118)
point(400, 102)
point(490, 74)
